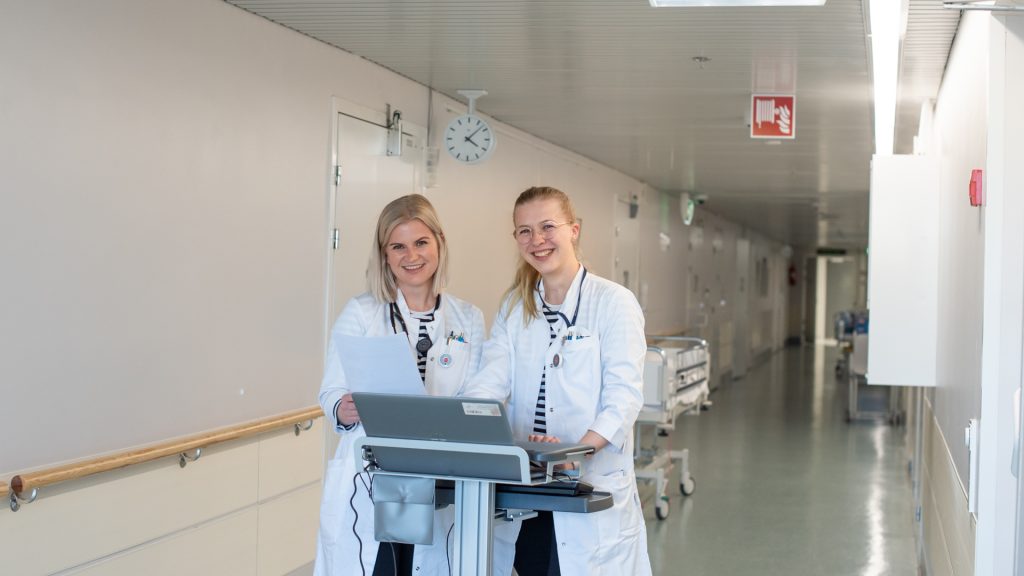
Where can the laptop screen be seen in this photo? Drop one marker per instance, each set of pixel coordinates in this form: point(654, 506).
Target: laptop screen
point(437, 418)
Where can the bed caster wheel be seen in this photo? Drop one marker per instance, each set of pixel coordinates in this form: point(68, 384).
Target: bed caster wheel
point(688, 486)
point(661, 509)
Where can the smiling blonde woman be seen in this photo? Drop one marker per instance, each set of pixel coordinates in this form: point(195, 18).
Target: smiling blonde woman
point(406, 277)
point(566, 351)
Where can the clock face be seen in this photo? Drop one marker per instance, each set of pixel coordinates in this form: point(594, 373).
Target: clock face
point(469, 139)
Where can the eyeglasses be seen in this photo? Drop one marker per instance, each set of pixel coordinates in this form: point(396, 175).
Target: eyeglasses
point(546, 230)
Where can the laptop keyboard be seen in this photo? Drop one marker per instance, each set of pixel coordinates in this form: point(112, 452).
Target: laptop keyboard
point(557, 488)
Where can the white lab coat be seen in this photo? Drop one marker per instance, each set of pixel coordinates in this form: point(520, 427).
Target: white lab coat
point(337, 546)
point(597, 386)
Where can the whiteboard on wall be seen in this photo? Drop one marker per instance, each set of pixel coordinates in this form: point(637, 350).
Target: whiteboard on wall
point(903, 258)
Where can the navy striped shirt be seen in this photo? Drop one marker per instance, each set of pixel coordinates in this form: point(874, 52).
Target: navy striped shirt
point(421, 357)
point(540, 421)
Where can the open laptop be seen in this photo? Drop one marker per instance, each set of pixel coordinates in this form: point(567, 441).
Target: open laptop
point(448, 419)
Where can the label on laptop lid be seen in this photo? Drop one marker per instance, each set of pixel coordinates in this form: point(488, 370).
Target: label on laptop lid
point(481, 409)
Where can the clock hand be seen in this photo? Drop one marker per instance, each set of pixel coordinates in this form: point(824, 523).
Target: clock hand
point(470, 137)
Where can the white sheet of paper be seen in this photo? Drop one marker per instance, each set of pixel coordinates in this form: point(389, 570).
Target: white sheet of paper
point(382, 364)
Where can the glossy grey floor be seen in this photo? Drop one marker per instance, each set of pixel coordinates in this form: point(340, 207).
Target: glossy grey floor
point(784, 485)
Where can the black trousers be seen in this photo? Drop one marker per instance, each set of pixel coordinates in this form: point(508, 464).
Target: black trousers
point(536, 548)
point(385, 565)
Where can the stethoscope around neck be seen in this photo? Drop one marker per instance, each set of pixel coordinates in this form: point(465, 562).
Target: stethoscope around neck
point(556, 360)
point(423, 344)
point(576, 312)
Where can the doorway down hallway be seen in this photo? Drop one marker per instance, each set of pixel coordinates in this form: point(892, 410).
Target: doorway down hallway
point(784, 485)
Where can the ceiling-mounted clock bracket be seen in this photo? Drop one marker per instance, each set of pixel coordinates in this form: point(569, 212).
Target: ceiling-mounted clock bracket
point(471, 96)
point(394, 120)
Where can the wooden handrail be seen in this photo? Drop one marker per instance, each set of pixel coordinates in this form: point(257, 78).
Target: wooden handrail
point(26, 482)
point(4, 489)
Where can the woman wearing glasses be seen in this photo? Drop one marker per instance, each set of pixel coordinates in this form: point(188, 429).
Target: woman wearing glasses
point(567, 351)
point(406, 275)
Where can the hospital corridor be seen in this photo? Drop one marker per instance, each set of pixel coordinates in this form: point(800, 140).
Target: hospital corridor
point(511, 287)
point(785, 486)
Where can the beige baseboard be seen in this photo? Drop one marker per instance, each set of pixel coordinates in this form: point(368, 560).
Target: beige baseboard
point(948, 529)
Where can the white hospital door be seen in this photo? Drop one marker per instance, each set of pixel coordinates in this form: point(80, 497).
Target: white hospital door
point(368, 180)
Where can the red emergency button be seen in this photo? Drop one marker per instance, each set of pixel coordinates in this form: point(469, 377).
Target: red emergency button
point(976, 191)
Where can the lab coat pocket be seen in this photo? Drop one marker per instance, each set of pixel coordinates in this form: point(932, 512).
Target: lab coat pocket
point(620, 526)
point(577, 382)
point(334, 496)
point(578, 359)
point(450, 367)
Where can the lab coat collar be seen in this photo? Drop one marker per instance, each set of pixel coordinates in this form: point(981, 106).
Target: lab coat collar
point(433, 328)
point(403, 306)
point(568, 306)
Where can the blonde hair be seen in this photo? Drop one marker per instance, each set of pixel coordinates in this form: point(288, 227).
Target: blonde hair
point(527, 276)
point(380, 280)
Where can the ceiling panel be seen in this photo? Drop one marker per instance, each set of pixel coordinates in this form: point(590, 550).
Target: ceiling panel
point(616, 81)
point(926, 44)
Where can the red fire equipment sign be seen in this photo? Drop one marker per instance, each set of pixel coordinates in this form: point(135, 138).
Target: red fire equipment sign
point(773, 116)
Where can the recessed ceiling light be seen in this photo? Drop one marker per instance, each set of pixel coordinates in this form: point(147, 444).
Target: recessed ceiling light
point(885, 19)
point(732, 3)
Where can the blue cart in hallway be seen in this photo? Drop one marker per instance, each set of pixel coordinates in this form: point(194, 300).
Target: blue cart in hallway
point(866, 402)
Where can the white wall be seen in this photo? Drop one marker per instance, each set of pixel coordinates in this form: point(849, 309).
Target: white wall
point(1003, 216)
point(979, 320)
point(959, 142)
point(691, 285)
point(135, 105)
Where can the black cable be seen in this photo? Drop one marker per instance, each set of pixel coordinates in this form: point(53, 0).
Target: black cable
point(563, 478)
point(446, 555)
point(369, 489)
point(351, 503)
point(394, 558)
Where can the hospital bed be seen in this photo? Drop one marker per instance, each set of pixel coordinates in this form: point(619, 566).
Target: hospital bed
point(677, 372)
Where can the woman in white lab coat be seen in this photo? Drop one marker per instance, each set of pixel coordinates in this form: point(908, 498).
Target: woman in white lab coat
point(406, 276)
point(567, 351)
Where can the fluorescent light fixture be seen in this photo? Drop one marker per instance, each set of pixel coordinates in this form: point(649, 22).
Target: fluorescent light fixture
point(885, 52)
point(732, 3)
